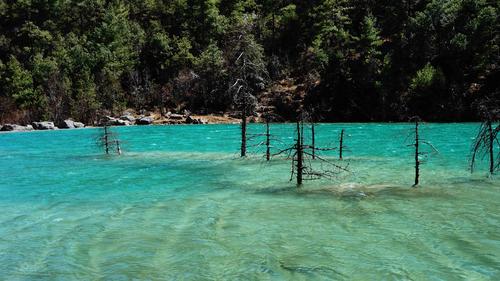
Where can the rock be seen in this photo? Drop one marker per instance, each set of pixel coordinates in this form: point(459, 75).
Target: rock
point(144, 121)
point(44, 125)
point(129, 112)
point(172, 122)
point(176, 116)
point(16, 128)
point(79, 125)
point(128, 118)
point(67, 124)
point(111, 121)
point(191, 120)
point(119, 122)
point(108, 118)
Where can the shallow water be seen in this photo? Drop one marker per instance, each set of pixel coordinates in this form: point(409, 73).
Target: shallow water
point(180, 205)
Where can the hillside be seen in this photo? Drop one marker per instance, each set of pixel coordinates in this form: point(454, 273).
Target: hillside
point(348, 60)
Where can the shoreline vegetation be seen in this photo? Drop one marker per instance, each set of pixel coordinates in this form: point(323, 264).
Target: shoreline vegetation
point(355, 61)
point(157, 120)
point(128, 119)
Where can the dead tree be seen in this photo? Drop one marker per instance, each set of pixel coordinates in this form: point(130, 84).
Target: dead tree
point(265, 139)
point(248, 72)
point(302, 156)
point(341, 144)
point(417, 155)
point(313, 141)
point(484, 146)
point(109, 141)
point(246, 102)
point(268, 141)
point(244, 131)
point(418, 152)
point(299, 150)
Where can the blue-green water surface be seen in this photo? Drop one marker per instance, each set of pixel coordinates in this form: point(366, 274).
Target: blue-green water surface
point(179, 204)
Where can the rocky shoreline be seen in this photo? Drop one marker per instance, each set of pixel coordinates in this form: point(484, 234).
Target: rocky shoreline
point(126, 119)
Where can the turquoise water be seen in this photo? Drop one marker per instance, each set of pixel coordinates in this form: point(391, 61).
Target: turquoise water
point(180, 205)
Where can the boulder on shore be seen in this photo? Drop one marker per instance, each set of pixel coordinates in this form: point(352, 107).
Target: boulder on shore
point(67, 124)
point(79, 125)
point(192, 120)
point(119, 122)
point(111, 121)
point(144, 121)
point(70, 124)
point(15, 128)
point(175, 116)
point(128, 118)
point(44, 125)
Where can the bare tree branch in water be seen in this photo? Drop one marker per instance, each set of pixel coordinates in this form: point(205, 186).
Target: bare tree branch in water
point(418, 150)
point(265, 140)
point(303, 156)
point(248, 72)
point(487, 138)
point(342, 147)
point(108, 141)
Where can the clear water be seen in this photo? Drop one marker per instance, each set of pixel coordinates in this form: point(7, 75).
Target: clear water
point(180, 205)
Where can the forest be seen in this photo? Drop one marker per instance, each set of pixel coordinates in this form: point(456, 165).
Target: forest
point(347, 60)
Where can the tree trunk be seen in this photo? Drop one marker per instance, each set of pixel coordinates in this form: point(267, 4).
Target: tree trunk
point(490, 147)
point(417, 162)
point(118, 148)
point(268, 141)
point(299, 154)
point(341, 145)
point(313, 142)
point(244, 132)
point(106, 139)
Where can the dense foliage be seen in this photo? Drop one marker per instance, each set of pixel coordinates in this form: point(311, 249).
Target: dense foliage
point(364, 59)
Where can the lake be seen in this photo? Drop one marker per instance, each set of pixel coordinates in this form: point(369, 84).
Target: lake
point(179, 204)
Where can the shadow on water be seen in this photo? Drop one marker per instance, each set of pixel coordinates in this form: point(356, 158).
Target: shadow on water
point(356, 191)
point(312, 271)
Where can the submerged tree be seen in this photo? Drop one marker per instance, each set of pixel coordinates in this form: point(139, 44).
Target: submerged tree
point(341, 144)
point(265, 139)
point(248, 72)
point(486, 140)
point(109, 141)
point(302, 158)
point(418, 149)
